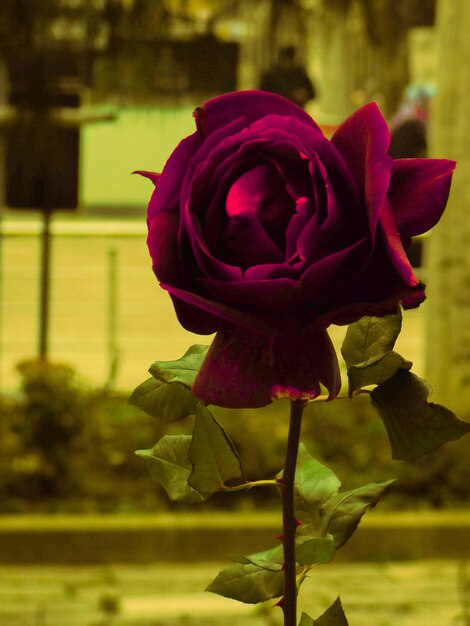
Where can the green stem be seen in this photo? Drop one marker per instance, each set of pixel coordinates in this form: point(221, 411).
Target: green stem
point(341, 396)
point(289, 523)
point(303, 575)
point(250, 485)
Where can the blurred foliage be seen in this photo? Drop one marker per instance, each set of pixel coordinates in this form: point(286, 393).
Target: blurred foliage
point(138, 51)
point(69, 447)
point(124, 50)
point(350, 439)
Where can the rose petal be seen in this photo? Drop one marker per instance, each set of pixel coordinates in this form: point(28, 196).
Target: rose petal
point(222, 143)
point(260, 192)
point(166, 194)
point(304, 141)
point(209, 178)
point(244, 369)
point(319, 275)
point(394, 247)
point(330, 228)
point(375, 289)
point(409, 298)
point(363, 140)
point(206, 262)
point(162, 242)
point(267, 271)
point(251, 321)
point(213, 199)
point(195, 319)
point(294, 173)
point(418, 193)
point(270, 136)
point(230, 159)
point(248, 243)
point(277, 294)
point(259, 209)
point(304, 213)
point(253, 105)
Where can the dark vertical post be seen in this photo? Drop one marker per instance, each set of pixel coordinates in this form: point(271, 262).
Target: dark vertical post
point(44, 297)
point(112, 316)
point(3, 101)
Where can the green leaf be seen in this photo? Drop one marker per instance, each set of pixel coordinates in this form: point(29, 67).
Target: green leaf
point(324, 512)
point(314, 483)
point(248, 583)
point(367, 351)
point(343, 511)
point(169, 464)
point(376, 370)
point(170, 401)
point(316, 550)
point(212, 454)
point(415, 426)
point(370, 337)
point(271, 559)
point(183, 370)
point(333, 616)
point(305, 620)
point(239, 558)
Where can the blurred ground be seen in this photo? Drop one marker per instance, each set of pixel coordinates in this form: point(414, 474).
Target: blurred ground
point(422, 593)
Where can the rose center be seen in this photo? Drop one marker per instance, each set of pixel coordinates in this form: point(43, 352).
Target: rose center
point(259, 210)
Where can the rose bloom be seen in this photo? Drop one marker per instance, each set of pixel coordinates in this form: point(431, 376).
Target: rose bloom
point(264, 231)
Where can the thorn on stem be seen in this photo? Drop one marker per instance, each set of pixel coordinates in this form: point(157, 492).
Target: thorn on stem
point(280, 537)
point(280, 603)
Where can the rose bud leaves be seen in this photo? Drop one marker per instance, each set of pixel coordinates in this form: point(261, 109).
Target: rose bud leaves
point(368, 351)
point(265, 232)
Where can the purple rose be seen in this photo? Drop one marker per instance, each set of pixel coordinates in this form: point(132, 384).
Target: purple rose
point(265, 232)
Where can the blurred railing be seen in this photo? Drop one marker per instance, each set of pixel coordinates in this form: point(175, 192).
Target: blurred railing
point(109, 318)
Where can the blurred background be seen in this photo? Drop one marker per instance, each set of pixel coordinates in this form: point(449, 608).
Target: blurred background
point(91, 90)
point(119, 81)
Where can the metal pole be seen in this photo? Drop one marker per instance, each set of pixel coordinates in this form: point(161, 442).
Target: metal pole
point(44, 299)
point(112, 316)
point(3, 100)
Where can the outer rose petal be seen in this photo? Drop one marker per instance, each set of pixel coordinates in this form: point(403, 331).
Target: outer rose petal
point(169, 183)
point(363, 140)
point(418, 193)
point(408, 298)
point(162, 242)
point(276, 294)
point(245, 370)
point(395, 247)
point(195, 319)
point(253, 105)
point(163, 246)
point(257, 322)
point(376, 290)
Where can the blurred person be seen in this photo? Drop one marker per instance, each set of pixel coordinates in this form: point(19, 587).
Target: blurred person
point(408, 139)
point(409, 126)
point(289, 79)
